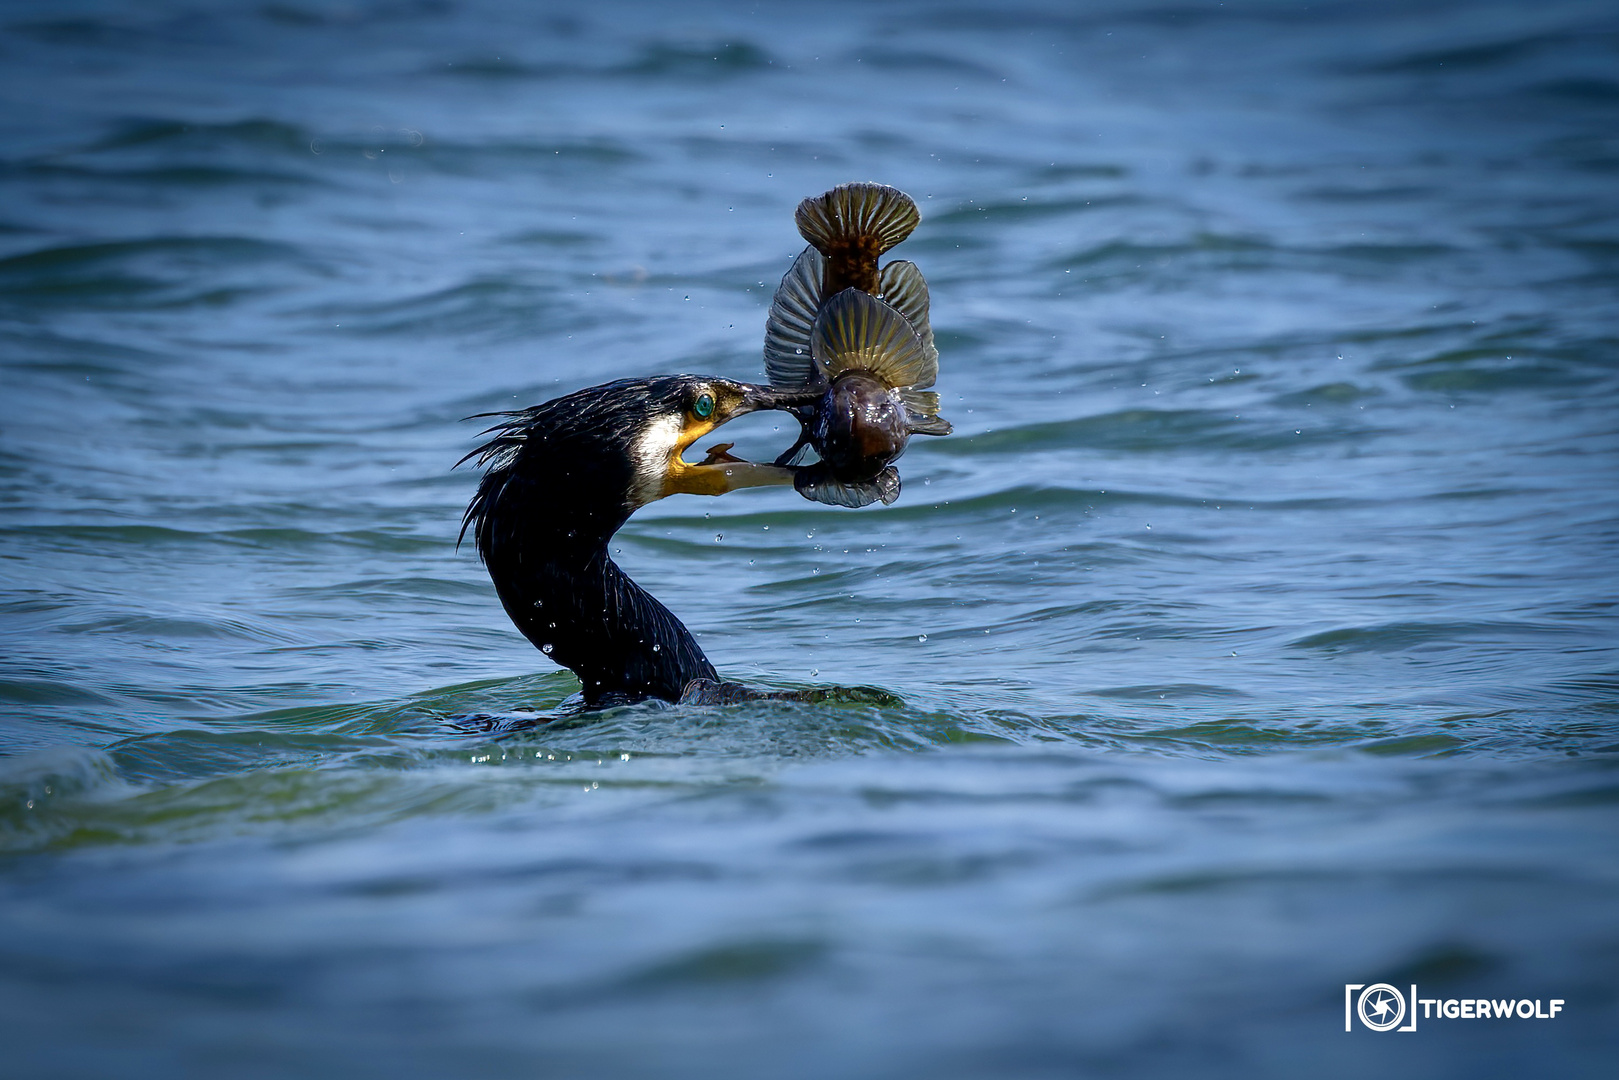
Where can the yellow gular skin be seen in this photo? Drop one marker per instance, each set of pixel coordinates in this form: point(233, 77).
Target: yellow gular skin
point(684, 478)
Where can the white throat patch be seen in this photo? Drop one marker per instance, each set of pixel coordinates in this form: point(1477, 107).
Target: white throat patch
point(650, 455)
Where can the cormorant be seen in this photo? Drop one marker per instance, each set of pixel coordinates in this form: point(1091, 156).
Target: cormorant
point(562, 478)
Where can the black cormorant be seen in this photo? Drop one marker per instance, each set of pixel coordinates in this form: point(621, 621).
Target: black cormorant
point(561, 479)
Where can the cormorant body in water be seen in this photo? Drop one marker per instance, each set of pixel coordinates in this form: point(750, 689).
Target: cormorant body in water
point(562, 478)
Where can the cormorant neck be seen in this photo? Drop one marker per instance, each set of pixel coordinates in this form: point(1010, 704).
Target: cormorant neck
point(548, 559)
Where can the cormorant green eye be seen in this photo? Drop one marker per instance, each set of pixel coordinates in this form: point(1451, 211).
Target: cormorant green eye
point(705, 406)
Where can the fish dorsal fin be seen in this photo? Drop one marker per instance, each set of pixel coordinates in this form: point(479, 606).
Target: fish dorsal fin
point(792, 315)
point(903, 286)
point(858, 332)
point(816, 483)
point(852, 225)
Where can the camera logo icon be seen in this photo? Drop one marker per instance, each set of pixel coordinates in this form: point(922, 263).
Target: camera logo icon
point(1380, 1007)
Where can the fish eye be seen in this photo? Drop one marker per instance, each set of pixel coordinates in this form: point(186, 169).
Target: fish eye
point(704, 407)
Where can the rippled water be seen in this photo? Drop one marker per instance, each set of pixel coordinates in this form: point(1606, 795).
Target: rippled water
point(1255, 633)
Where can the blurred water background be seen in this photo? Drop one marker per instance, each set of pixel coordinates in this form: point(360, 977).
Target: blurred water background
point(1254, 634)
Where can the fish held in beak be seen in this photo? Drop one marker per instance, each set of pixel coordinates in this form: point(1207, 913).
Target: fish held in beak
point(858, 334)
point(874, 362)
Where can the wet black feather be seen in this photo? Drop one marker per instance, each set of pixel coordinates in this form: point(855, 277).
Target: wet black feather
point(557, 485)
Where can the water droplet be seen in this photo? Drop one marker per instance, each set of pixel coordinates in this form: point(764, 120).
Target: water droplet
point(718, 537)
point(921, 638)
point(623, 757)
point(767, 528)
point(813, 673)
point(657, 648)
point(546, 649)
point(817, 570)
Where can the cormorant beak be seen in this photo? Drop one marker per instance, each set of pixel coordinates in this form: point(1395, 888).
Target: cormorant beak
point(721, 472)
point(755, 398)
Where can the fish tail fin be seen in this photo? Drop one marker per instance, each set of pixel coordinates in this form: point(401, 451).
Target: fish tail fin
point(852, 225)
point(858, 332)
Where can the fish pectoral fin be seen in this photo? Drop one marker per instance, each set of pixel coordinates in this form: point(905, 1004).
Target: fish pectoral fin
point(922, 412)
point(906, 290)
point(817, 484)
point(858, 332)
point(792, 314)
point(922, 424)
point(925, 402)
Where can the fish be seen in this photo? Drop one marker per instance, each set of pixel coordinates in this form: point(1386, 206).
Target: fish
point(854, 339)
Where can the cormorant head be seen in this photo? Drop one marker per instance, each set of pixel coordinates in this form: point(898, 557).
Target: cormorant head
point(588, 460)
point(676, 412)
